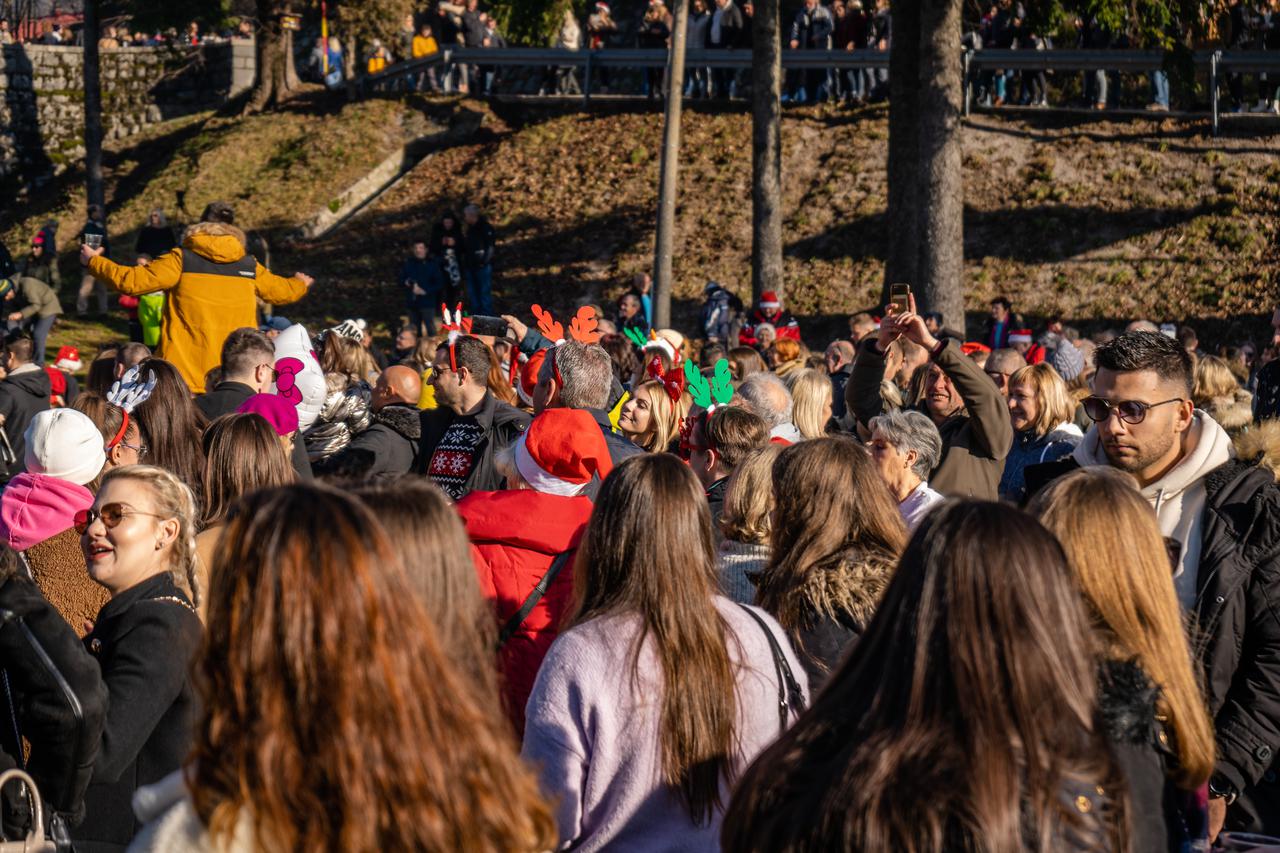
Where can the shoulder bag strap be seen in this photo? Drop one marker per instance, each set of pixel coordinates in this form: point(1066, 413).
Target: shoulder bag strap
point(790, 696)
point(517, 619)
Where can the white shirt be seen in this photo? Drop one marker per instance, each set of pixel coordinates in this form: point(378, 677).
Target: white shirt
point(916, 505)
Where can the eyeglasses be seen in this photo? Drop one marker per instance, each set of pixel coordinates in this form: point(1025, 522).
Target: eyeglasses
point(140, 449)
point(1130, 411)
point(111, 515)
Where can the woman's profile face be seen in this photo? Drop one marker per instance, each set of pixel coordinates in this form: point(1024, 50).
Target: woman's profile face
point(636, 414)
point(137, 546)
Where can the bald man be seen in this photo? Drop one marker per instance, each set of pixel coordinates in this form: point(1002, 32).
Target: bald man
point(389, 446)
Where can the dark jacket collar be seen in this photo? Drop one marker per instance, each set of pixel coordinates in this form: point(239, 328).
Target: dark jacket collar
point(230, 385)
point(157, 586)
point(401, 418)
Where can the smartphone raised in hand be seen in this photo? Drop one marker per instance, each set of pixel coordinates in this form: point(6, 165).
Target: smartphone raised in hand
point(899, 298)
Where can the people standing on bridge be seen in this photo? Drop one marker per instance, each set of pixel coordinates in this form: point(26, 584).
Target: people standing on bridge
point(600, 32)
point(810, 30)
point(724, 33)
point(655, 32)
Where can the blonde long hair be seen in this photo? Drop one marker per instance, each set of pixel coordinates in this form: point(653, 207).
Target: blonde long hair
point(664, 418)
point(1056, 405)
point(810, 401)
point(1118, 555)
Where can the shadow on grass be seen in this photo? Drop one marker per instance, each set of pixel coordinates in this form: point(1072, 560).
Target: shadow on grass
point(1040, 234)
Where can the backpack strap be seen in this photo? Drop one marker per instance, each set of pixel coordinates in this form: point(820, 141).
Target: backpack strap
point(790, 696)
point(535, 595)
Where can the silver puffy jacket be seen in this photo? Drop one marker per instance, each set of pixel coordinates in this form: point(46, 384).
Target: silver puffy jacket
point(345, 414)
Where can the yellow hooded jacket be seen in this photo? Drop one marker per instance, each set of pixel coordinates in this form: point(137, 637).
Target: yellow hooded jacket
point(211, 284)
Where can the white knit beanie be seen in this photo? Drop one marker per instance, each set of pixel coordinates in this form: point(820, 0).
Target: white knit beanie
point(66, 444)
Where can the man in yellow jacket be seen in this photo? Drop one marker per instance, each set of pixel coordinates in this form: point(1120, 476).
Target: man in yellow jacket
point(211, 283)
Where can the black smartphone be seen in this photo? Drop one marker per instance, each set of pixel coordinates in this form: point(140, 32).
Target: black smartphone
point(494, 327)
point(900, 297)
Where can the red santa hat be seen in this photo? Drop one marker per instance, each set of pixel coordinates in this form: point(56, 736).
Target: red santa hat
point(1020, 336)
point(529, 376)
point(561, 451)
point(769, 301)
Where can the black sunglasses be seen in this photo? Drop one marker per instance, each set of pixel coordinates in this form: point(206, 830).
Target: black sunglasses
point(1130, 411)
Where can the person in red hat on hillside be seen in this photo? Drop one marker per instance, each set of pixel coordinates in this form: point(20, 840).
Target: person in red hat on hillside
point(1023, 341)
point(524, 539)
point(64, 384)
point(769, 310)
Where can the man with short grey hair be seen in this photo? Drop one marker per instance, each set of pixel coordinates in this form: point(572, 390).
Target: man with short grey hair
point(767, 396)
point(1001, 365)
point(580, 376)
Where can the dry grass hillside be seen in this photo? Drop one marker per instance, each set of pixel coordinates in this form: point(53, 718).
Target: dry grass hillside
point(1098, 220)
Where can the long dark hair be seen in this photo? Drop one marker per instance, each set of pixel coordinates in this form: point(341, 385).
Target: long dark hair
point(832, 509)
point(627, 564)
point(172, 425)
point(962, 720)
point(243, 453)
point(332, 716)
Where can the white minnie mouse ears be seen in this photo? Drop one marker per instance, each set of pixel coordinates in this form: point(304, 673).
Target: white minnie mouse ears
point(130, 390)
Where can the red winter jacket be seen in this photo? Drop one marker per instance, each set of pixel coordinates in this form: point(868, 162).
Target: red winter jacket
point(783, 323)
point(515, 535)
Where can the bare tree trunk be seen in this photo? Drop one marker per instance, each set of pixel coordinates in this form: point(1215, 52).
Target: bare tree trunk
point(940, 193)
point(291, 81)
point(94, 190)
point(900, 264)
point(766, 151)
point(668, 183)
point(271, 85)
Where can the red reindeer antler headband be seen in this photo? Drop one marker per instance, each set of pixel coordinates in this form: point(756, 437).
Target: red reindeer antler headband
point(456, 325)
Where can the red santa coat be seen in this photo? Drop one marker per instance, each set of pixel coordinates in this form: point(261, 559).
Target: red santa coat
point(515, 536)
point(782, 322)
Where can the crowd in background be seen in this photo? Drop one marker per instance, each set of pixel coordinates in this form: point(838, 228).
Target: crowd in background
point(544, 580)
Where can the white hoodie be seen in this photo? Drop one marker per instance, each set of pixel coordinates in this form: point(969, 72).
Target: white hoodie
point(1179, 496)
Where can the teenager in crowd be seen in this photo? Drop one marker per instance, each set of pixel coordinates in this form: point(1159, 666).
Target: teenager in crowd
point(746, 524)
point(171, 424)
point(962, 720)
point(1152, 708)
point(310, 609)
point(242, 454)
point(139, 543)
point(659, 689)
point(836, 534)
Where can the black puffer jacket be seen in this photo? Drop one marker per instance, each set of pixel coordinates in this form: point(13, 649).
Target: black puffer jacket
point(389, 446)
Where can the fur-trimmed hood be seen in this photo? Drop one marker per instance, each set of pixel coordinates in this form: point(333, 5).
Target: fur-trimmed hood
point(1233, 413)
point(1126, 702)
point(846, 589)
point(217, 241)
point(402, 418)
point(1261, 445)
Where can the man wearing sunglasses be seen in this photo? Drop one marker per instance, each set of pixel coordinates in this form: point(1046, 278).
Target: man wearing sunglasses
point(1224, 515)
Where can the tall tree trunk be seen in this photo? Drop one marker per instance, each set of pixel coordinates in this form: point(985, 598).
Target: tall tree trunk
point(900, 264)
point(940, 194)
point(271, 85)
point(94, 191)
point(766, 151)
point(291, 81)
point(668, 182)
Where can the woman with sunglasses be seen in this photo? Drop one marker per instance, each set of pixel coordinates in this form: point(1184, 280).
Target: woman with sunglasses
point(138, 539)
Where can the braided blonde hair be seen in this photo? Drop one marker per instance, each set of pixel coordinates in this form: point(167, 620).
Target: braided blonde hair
point(173, 499)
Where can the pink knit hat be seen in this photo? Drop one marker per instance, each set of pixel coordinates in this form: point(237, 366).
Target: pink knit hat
point(278, 411)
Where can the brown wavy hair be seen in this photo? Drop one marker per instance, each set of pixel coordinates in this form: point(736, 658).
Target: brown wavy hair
point(963, 719)
point(431, 540)
point(626, 564)
point(172, 425)
point(332, 718)
point(832, 511)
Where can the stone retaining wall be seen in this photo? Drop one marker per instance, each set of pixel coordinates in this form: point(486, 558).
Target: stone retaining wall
point(42, 96)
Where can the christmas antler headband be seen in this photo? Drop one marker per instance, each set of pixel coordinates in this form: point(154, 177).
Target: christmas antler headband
point(582, 328)
point(710, 395)
point(130, 390)
point(456, 325)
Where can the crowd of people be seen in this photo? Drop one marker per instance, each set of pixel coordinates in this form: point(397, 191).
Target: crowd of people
point(541, 580)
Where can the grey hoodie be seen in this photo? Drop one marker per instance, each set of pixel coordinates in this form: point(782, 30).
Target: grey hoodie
point(1179, 496)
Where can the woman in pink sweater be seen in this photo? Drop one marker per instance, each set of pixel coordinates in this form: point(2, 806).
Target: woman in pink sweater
point(660, 692)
